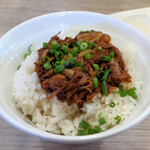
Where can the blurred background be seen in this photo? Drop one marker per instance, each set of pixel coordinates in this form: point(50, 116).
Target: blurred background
point(12, 13)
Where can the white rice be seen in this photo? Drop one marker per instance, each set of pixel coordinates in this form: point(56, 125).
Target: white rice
point(59, 118)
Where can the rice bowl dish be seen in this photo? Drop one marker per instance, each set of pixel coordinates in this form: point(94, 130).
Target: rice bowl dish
point(14, 107)
point(59, 118)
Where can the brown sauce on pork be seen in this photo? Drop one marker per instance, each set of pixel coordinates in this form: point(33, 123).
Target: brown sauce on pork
point(75, 83)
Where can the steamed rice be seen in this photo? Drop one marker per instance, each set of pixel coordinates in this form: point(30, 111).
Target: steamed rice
point(59, 118)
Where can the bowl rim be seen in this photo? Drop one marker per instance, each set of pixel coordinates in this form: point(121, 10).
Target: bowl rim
point(71, 139)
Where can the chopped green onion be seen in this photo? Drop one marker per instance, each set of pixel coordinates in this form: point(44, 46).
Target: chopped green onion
point(59, 69)
point(72, 63)
point(97, 129)
point(88, 56)
point(101, 121)
point(54, 45)
point(45, 44)
point(78, 44)
point(106, 58)
point(74, 43)
point(89, 31)
point(81, 66)
point(118, 118)
point(83, 46)
point(47, 66)
point(61, 53)
point(112, 54)
point(57, 63)
point(44, 57)
point(91, 45)
point(81, 31)
point(25, 55)
point(29, 48)
point(96, 67)
point(65, 49)
point(70, 55)
point(131, 92)
point(74, 51)
point(82, 132)
point(90, 131)
point(62, 61)
point(67, 64)
point(18, 67)
point(104, 88)
point(65, 43)
point(99, 115)
point(51, 51)
point(56, 55)
point(106, 72)
point(122, 92)
point(95, 82)
point(99, 48)
point(53, 64)
point(112, 104)
point(83, 124)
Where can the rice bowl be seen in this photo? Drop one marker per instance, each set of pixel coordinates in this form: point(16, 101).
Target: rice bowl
point(73, 131)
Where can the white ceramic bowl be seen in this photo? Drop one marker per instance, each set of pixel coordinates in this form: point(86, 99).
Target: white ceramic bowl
point(14, 43)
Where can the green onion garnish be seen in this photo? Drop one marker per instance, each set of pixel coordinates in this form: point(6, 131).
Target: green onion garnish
point(67, 64)
point(83, 124)
point(90, 131)
point(25, 55)
point(99, 48)
point(87, 129)
point(97, 129)
point(83, 46)
point(81, 66)
point(57, 63)
point(54, 45)
point(112, 104)
point(18, 67)
point(51, 51)
point(65, 49)
point(59, 69)
point(62, 61)
point(29, 48)
point(88, 56)
point(96, 67)
point(65, 43)
point(95, 82)
point(118, 118)
point(91, 45)
point(56, 55)
point(89, 31)
point(43, 59)
point(45, 44)
point(82, 132)
point(131, 92)
point(47, 66)
point(104, 88)
point(101, 121)
point(106, 72)
point(70, 55)
point(99, 115)
point(61, 53)
point(72, 63)
point(106, 58)
point(112, 54)
point(74, 51)
point(81, 31)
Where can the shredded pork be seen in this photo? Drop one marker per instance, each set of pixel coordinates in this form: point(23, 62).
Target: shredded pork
point(75, 85)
